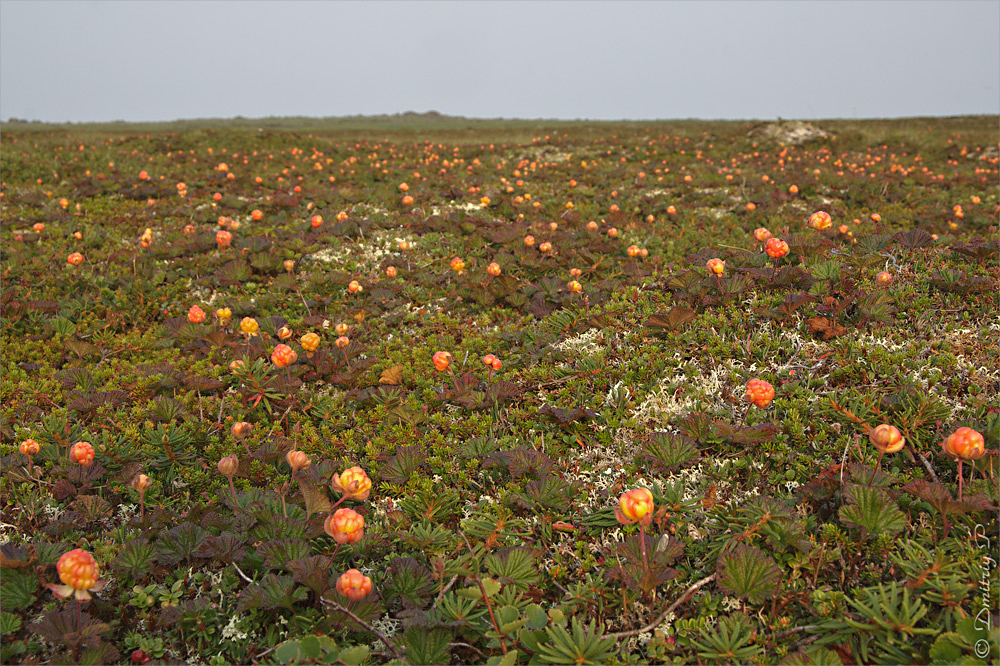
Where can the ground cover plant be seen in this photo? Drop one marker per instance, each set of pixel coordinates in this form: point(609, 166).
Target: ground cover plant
point(500, 393)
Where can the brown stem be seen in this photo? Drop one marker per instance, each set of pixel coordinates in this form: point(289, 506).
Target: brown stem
point(819, 564)
point(382, 637)
point(926, 464)
point(486, 599)
point(688, 593)
point(959, 479)
point(642, 549)
point(774, 599)
point(232, 489)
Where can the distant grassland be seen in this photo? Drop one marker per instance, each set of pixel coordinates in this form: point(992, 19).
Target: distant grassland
point(920, 132)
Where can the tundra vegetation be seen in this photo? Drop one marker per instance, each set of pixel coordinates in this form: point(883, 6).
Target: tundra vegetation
point(428, 391)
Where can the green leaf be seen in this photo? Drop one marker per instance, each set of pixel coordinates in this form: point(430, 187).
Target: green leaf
point(277, 554)
point(135, 558)
point(18, 589)
point(508, 659)
point(9, 624)
point(287, 652)
point(406, 461)
point(409, 580)
point(827, 270)
point(427, 646)
point(537, 619)
point(517, 567)
point(81, 348)
point(585, 645)
point(98, 655)
point(551, 494)
point(814, 656)
point(510, 620)
point(684, 280)
point(531, 639)
point(355, 655)
point(729, 642)
point(272, 592)
point(947, 648)
point(309, 647)
point(872, 510)
point(276, 527)
point(474, 592)
point(748, 573)
point(668, 451)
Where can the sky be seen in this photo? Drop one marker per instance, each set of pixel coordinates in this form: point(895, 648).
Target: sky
point(101, 60)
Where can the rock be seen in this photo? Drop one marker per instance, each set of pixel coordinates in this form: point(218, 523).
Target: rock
point(988, 153)
point(788, 132)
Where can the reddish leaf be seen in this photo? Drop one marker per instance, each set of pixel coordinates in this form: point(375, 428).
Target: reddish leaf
point(825, 326)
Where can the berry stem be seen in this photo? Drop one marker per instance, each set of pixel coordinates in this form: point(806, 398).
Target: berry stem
point(877, 465)
point(334, 556)
point(642, 548)
point(232, 489)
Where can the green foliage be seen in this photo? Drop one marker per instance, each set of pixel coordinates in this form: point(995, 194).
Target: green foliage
point(135, 558)
point(408, 580)
point(272, 592)
point(972, 642)
point(668, 451)
point(425, 646)
point(731, 641)
point(491, 520)
point(9, 624)
point(582, 644)
point(18, 590)
point(871, 509)
point(551, 494)
point(318, 650)
point(883, 624)
point(517, 567)
point(748, 573)
point(813, 656)
point(277, 554)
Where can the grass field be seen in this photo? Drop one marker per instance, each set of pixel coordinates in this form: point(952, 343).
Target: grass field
point(420, 389)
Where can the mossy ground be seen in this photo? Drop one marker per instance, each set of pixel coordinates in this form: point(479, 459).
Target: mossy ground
point(507, 478)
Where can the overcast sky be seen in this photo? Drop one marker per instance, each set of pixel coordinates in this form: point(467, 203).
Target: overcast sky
point(89, 60)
